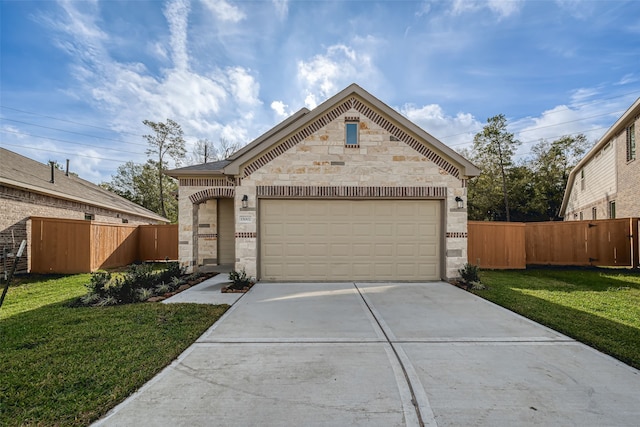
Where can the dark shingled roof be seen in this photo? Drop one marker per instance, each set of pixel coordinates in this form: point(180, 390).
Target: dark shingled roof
point(21, 172)
point(204, 167)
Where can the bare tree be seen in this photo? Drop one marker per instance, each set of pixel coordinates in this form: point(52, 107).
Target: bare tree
point(206, 151)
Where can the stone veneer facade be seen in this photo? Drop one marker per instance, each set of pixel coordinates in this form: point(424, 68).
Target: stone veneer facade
point(18, 205)
point(315, 163)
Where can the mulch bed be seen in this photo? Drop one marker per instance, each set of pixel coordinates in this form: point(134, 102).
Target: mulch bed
point(184, 287)
point(230, 289)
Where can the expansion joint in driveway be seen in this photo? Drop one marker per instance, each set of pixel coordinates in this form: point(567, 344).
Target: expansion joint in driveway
point(418, 396)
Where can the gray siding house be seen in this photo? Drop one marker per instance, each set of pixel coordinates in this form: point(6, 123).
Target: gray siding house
point(604, 184)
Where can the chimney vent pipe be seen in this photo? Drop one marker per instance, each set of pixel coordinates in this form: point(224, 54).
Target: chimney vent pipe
point(52, 169)
point(67, 172)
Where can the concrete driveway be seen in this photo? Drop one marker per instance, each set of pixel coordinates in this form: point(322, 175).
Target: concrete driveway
point(383, 354)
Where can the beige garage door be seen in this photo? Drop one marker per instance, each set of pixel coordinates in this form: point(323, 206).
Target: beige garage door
point(337, 240)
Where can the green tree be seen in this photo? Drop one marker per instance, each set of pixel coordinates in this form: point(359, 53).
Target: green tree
point(551, 164)
point(166, 140)
point(493, 150)
point(139, 183)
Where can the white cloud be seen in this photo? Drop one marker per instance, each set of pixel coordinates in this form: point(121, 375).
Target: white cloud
point(502, 8)
point(282, 8)
point(579, 9)
point(220, 102)
point(281, 109)
point(325, 74)
point(589, 118)
point(243, 86)
point(177, 14)
point(224, 11)
point(628, 79)
point(455, 131)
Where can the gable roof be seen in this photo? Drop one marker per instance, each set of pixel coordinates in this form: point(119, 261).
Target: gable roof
point(27, 174)
point(304, 122)
point(617, 127)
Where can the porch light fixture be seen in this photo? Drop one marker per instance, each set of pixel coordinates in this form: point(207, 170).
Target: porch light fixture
point(245, 201)
point(460, 202)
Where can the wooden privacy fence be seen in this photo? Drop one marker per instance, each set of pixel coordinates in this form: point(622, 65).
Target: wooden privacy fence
point(505, 245)
point(77, 246)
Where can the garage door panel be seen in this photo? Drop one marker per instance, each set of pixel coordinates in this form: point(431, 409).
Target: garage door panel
point(361, 249)
point(294, 249)
point(339, 230)
point(361, 229)
point(317, 249)
point(383, 230)
point(407, 250)
point(338, 240)
point(339, 249)
point(382, 250)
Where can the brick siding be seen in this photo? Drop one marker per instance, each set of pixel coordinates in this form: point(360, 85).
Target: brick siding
point(16, 206)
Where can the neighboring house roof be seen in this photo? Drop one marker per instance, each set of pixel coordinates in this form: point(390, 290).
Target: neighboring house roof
point(24, 173)
point(614, 130)
point(305, 117)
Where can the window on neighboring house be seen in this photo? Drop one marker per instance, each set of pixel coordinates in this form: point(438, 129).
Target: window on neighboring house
point(581, 216)
point(612, 209)
point(631, 142)
point(351, 129)
point(89, 217)
point(125, 221)
point(594, 213)
point(582, 183)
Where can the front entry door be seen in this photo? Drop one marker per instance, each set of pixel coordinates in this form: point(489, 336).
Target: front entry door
point(226, 232)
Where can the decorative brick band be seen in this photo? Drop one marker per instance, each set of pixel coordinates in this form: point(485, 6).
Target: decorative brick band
point(206, 182)
point(208, 236)
point(352, 103)
point(352, 192)
point(246, 235)
point(456, 235)
point(212, 193)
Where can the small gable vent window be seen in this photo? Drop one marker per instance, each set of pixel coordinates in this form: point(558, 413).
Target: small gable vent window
point(351, 133)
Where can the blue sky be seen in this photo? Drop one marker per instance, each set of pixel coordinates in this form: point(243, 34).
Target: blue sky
point(78, 77)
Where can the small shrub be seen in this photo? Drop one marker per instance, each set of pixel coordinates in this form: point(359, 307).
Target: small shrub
point(170, 272)
point(98, 283)
point(176, 282)
point(142, 275)
point(106, 301)
point(470, 273)
point(143, 294)
point(470, 276)
point(137, 284)
point(162, 289)
point(239, 279)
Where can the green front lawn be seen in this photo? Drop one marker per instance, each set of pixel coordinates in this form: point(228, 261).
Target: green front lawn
point(68, 366)
point(598, 307)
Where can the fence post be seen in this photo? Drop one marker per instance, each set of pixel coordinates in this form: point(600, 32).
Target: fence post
point(633, 241)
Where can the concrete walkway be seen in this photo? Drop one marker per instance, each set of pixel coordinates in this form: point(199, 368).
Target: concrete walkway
point(382, 355)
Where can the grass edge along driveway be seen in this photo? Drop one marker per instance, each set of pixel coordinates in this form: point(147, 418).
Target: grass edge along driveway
point(598, 307)
point(69, 366)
